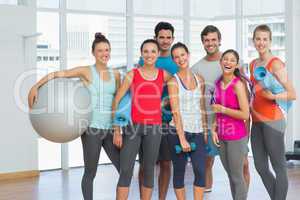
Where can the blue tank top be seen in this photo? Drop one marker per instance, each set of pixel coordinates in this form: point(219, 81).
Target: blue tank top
point(102, 93)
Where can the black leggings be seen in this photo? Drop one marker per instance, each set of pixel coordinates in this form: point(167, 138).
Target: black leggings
point(179, 161)
point(92, 141)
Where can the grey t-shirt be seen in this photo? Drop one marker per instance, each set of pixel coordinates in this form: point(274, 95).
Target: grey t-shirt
point(210, 71)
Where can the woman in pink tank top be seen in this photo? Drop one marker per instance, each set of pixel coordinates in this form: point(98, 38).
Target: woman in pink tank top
point(144, 134)
point(229, 130)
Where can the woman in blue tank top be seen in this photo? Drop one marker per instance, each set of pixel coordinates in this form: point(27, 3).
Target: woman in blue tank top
point(102, 83)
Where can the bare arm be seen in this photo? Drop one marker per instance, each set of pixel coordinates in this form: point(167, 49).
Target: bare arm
point(174, 102)
point(80, 72)
point(202, 104)
point(280, 73)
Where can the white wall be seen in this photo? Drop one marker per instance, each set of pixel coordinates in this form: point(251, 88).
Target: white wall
point(18, 143)
point(292, 11)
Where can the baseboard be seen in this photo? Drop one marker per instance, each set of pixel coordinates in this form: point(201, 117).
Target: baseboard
point(19, 175)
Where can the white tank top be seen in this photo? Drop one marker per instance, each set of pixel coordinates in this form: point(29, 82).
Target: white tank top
point(189, 107)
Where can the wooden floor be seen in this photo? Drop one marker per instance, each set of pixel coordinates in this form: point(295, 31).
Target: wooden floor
point(65, 185)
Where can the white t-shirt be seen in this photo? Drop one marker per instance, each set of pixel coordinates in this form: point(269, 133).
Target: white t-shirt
point(210, 71)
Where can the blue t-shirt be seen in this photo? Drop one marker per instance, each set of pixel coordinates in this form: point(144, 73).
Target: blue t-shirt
point(165, 63)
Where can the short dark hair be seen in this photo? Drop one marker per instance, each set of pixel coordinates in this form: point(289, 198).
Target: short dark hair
point(210, 29)
point(179, 45)
point(149, 41)
point(263, 28)
point(163, 25)
point(99, 37)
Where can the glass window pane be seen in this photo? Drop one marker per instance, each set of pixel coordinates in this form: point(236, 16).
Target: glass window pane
point(49, 154)
point(277, 26)
point(14, 2)
point(99, 5)
point(144, 29)
point(158, 7)
point(81, 30)
point(212, 8)
point(256, 7)
point(196, 47)
point(47, 43)
point(47, 3)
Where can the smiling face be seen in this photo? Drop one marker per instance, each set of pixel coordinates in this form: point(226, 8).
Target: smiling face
point(211, 43)
point(102, 52)
point(181, 57)
point(262, 41)
point(150, 53)
point(165, 39)
point(229, 63)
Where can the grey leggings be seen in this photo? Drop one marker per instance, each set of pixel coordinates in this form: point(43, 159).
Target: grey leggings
point(92, 141)
point(135, 137)
point(232, 154)
point(267, 141)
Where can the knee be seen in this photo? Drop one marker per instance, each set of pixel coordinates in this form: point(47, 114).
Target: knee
point(125, 177)
point(209, 162)
point(199, 177)
point(89, 172)
point(148, 178)
point(165, 165)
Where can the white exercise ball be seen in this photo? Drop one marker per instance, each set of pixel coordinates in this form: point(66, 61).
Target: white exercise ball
point(62, 111)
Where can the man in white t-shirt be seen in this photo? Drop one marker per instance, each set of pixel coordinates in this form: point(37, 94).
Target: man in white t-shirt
point(209, 67)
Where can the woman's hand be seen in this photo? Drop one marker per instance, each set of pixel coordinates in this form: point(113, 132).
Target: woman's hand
point(117, 138)
point(215, 138)
point(217, 108)
point(185, 145)
point(268, 94)
point(32, 96)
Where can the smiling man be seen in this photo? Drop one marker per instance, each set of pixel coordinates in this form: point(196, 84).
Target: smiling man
point(209, 68)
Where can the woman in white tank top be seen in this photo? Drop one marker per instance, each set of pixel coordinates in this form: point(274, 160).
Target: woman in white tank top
point(188, 128)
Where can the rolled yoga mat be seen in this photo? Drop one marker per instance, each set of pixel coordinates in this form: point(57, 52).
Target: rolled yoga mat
point(269, 82)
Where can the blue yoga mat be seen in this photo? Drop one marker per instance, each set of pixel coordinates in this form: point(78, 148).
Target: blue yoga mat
point(123, 112)
point(269, 82)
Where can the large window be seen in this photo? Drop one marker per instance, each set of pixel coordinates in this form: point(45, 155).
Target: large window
point(80, 20)
point(98, 5)
point(48, 61)
point(81, 30)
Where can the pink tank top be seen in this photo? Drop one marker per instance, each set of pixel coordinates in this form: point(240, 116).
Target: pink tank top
point(228, 128)
point(146, 98)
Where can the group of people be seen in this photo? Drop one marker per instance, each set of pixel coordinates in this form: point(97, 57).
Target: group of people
point(206, 110)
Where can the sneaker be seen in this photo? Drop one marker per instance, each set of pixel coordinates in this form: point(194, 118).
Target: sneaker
point(206, 190)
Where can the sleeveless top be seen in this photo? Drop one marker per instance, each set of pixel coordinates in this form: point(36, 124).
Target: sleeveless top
point(189, 107)
point(102, 93)
point(228, 128)
point(263, 109)
point(146, 98)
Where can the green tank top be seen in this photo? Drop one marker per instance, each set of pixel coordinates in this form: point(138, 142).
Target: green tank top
point(102, 93)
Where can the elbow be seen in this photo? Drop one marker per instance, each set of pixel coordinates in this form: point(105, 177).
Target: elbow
point(245, 115)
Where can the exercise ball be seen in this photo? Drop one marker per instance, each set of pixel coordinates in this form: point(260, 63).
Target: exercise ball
point(63, 110)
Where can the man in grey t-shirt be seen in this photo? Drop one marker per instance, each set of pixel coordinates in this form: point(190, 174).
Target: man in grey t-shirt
point(209, 67)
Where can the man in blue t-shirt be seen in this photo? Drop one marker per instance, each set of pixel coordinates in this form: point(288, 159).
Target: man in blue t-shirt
point(164, 35)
